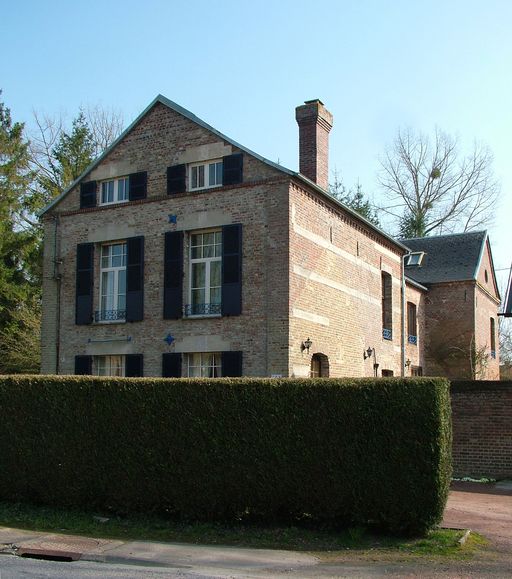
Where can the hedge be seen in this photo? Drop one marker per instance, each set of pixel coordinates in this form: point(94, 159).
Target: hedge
point(355, 452)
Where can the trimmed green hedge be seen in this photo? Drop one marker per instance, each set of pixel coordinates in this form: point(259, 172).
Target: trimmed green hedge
point(362, 451)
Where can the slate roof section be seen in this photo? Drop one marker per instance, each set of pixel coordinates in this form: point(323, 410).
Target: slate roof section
point(447, 258)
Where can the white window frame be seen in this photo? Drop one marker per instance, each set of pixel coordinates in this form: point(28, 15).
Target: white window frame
point(116, 271)
point(207, 183)
point(110, 365)
point(116, 184)
point(200, 361)
point(207, 283)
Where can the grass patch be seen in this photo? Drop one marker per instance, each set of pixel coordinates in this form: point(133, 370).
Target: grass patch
point(327, 542)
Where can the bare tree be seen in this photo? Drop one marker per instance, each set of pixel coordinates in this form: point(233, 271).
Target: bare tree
point(105, 124)
point(432, 187)
point(102, 126)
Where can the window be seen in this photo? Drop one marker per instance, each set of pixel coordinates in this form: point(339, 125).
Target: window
point(112, 283)
point(493, 338)
point(203, 365)
point(205, 175)
point(387, 306)
point(387, 373)
point(115, 191)
point(412, 324)
point(416, 371)
point(205, 274)
point(109, 365)
point(414, 259)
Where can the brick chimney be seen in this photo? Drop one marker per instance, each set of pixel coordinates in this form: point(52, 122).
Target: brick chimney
point(315, 122)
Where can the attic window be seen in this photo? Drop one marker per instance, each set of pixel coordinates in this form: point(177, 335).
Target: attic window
point(414, 259)
point(205, 175)
point(114, 191)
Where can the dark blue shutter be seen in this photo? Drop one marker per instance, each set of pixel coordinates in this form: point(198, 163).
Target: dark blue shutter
point(138, 185)
point(83, 365)
point(232, 364)
point(176, 179)
point(173, 275)
point(171, 365)
point(88, 194)
point(232, 169)
point(133, 365)
point(135, 279)
point(232, 270)
point(84, 283)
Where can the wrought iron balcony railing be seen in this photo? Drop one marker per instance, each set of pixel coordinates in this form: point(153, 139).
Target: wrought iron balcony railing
point(110, 315)
point(413, 340)
point(387, 334)
point(202, 310)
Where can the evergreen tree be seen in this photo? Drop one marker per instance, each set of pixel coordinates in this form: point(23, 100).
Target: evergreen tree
point(19, 246)
point(354, 199)
point(72, 154)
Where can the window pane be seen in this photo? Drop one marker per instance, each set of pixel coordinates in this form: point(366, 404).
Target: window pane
point(121, 290)
point(200, 176)
point(208, 248)
point(215, 274)
point(122, 191)
point(215, 295)
point(197, 298)
point(198, 275)
point(107, 290)
point(196, 245)
point(211, 177)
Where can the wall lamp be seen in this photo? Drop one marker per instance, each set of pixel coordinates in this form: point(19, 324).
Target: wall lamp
point(407, 363)
point(306, 345)
point(368, 353)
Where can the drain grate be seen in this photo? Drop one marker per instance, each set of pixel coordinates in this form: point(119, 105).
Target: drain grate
point(49, 554)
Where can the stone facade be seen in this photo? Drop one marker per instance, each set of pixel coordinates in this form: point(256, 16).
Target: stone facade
point(311, 268)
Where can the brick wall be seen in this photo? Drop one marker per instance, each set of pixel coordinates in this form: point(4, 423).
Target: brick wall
point(482, 429)
point(335, 289)
point(260, 204)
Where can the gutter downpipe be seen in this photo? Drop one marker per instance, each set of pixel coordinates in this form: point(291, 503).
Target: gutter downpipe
point(57, 279)
point(402, 353)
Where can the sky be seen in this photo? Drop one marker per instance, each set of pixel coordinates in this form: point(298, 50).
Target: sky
point(243, 67)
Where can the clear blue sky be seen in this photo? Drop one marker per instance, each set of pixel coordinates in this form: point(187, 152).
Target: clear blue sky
point(244, 66)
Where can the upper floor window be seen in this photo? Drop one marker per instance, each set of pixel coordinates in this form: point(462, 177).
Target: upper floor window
point(112, 283)
point(387, 306)
point(412, 323)
point(493, 338)
point(205, 175)
point(205, 274)
point(115, 191)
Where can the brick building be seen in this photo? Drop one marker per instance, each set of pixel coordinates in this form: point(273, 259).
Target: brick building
point(180, 252)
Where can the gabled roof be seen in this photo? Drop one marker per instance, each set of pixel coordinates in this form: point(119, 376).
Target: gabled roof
point(447, 258)
point(182, 111)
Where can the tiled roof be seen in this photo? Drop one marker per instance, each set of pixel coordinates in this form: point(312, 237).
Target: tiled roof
point(447, 257)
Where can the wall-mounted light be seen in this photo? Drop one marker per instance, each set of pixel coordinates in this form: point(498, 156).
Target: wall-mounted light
point(368, 353)
point(407, 363)
point(306, 345)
